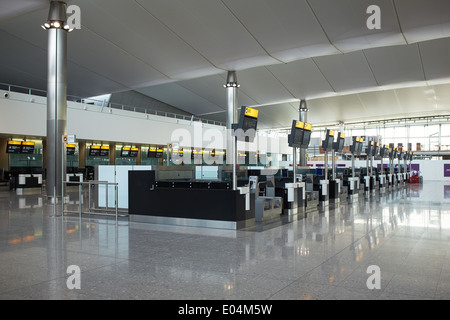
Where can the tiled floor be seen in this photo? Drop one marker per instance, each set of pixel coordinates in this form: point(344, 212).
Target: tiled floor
point(324, 256)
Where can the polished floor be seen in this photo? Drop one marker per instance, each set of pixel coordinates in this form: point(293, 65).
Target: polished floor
point(326, 255)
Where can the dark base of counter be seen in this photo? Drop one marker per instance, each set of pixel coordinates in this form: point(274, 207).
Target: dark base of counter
point(213, 208)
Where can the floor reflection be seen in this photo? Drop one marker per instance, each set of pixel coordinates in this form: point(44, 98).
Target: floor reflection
point(323, 255)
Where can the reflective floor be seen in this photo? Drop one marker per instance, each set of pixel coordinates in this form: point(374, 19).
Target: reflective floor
point(394, 246)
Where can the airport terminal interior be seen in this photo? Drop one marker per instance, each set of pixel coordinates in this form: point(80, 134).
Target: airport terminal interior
point(225, 150)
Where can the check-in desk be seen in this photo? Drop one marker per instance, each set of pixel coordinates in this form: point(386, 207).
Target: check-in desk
point(295, 199)
point(187, 201)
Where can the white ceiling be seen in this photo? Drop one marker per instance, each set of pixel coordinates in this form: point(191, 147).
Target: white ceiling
point(179, 51)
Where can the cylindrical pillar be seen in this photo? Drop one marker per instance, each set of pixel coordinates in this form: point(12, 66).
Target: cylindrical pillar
point(56, 98)
point(294, 163)
point(303, 118)
point(232, 117)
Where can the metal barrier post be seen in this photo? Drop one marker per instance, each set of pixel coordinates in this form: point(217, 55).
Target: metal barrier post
point(80, 196)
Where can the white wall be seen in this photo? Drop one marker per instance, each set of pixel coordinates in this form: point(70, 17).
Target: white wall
point(23, 114)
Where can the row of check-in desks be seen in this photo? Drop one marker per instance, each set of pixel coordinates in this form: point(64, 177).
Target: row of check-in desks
point(261, 195)
point(314, 190)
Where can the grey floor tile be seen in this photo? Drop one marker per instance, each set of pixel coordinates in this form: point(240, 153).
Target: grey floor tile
point(322, 256)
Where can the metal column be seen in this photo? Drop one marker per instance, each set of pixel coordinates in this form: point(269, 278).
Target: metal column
point(232, 117)
point(303, 118)
point(56, 97)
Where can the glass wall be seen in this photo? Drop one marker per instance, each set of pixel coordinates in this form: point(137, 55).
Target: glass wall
point(426, 134)
point(28, 160)
point(96, 155)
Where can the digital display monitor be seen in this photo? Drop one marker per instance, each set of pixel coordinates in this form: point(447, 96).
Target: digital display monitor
point(125, 152)
point(306, 136)
point(327, 144)
point(356, 146)
point(295, 139)
point(375, 148)
point(27, 147)
point(360, 145)
point(369, 148)
point(104, 151)
point(152, 152)
point(400, 154)
point(14, 147)
point(248, 122)
point(384, 151)
point(94, 151)
point(338, 146)
point(70, 149)
point(159, 153)
point(393, 153)
point(133, 152)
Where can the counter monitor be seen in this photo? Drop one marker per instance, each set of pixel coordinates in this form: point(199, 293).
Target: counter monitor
point(104, 151)
point(14, 146)
point(248, 122)
point(327, 144)
point(125, 152)
point(384, 151)
point(338, 146)
point(94, 151)
point(295, 139)
point(133, 152)
point(70, 149)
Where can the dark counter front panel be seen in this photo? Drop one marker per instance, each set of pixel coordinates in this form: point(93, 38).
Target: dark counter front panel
point(188, 203)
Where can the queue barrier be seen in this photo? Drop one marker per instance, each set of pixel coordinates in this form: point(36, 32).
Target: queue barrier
point(91, 209)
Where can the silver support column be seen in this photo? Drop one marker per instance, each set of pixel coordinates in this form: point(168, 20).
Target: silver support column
point(294, 163)
point(56, 97)
point(303, 118)
point(232, 117)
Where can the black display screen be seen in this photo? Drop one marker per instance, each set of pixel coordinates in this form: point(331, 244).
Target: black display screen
point(151, 153)
point(327, 144)
point(125, 152)
point(306, 139)
point(298, 136)
point(94, 152)
point(104, 152)
point(249, 123)
point(340, 145)
point(134, 153)
point(70, 151)
point(13, 147)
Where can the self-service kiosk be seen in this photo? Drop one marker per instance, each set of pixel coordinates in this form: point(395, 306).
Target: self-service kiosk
point(368, 179)
point(393, 183)
point(384, 153)
point(295, 191)
point(373, 170)
point(323, 185)
point(353, 181)
point(400, 176)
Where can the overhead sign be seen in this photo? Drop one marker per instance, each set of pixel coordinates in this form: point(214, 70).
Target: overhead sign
point(69, 138)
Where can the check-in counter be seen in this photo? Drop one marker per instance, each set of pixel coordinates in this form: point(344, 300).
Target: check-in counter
point(187, 201)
